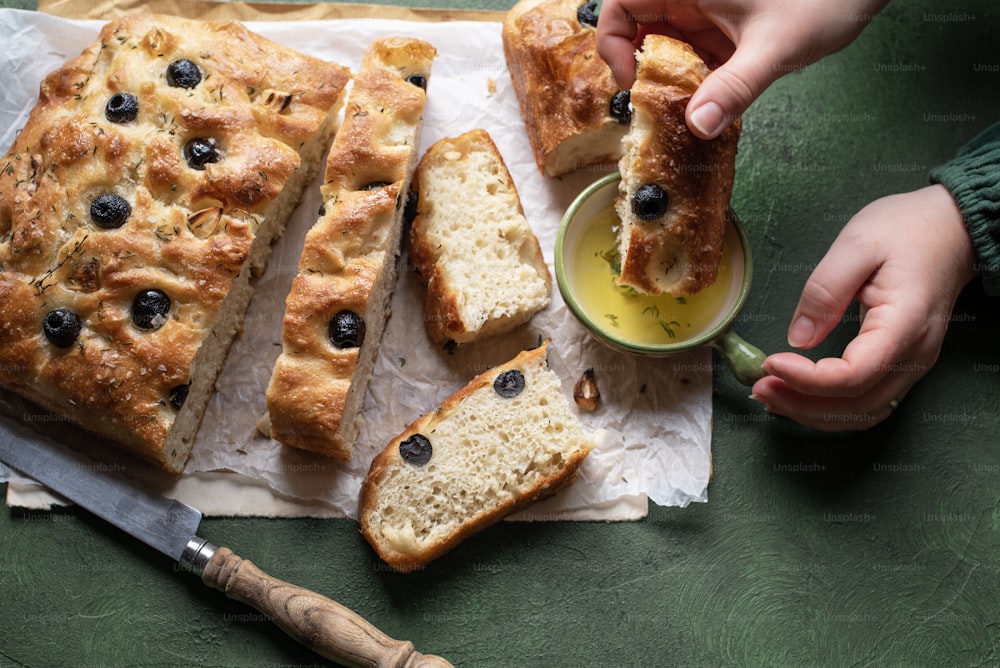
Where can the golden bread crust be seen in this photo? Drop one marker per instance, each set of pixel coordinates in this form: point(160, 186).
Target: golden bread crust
point(190, 234)
point(348, 261)
point(563, 86)
point(680, 251)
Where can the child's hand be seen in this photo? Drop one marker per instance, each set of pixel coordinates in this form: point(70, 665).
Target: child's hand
point(753, 43)
point(905, 258)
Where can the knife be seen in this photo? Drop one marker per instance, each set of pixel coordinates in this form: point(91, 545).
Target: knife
point(323, 625)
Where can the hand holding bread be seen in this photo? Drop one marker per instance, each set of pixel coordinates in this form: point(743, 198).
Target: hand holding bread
point(751, 43)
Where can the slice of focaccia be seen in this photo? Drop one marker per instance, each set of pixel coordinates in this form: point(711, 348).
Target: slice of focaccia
point(573, 111)
point(338, 304)
point(675, 187)
point(143, 191)
point(503, 442)
point(471, 244)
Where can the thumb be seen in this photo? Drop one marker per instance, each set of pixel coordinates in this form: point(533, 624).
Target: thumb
point(831, 288)
point(731, 88)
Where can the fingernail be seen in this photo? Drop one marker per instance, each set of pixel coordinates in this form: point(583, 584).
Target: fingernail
point(708, 119)
point(753, 397)
point(801, 332)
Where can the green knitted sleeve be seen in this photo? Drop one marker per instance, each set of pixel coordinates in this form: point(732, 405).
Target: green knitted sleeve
point(973, 178)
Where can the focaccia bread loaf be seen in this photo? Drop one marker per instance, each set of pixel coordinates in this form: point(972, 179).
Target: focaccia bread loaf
point(471, 244)
point(503, 442)
point(573, 110)
point(146, 185)
point(336, 310)
point(675, 187)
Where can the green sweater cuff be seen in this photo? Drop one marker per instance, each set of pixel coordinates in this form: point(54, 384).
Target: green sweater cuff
point(973, 178)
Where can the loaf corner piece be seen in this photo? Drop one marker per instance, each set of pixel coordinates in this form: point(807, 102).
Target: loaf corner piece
point(573, 111)
point(148, 183)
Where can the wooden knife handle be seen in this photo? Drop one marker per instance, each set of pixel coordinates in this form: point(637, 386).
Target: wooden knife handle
point(320, 624)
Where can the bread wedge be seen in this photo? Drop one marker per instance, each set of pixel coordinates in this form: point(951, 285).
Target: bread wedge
point(505, 441)
point(471, 244)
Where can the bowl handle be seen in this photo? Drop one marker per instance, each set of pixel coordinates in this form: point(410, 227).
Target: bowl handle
point(745, 360)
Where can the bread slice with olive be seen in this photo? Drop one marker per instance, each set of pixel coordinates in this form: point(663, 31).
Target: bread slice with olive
point(574, 113)
point(503, 442)
point(141, 194)
point(675, 187)
point(336, 310)
point(471, 244)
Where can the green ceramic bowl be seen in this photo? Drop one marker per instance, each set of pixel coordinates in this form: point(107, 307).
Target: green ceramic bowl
point(743, 358)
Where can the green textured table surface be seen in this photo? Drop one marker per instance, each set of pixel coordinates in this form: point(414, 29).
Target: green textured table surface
point(872, 549)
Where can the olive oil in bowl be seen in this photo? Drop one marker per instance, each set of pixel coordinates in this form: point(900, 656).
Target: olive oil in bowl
point(592, 269)
point(586, 270)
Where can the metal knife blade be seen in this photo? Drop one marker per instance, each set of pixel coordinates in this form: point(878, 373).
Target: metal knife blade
point(164, 524)
point(170, 526)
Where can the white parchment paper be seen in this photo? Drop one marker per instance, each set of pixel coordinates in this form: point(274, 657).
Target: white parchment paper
point(656, 413)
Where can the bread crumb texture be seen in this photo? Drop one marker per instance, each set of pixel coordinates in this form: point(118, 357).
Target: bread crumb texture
point(472, 244)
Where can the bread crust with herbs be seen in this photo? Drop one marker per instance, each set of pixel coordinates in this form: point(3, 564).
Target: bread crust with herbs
point(678, 252)
point(349, 259)
point(194, 234)
point(563, 87)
